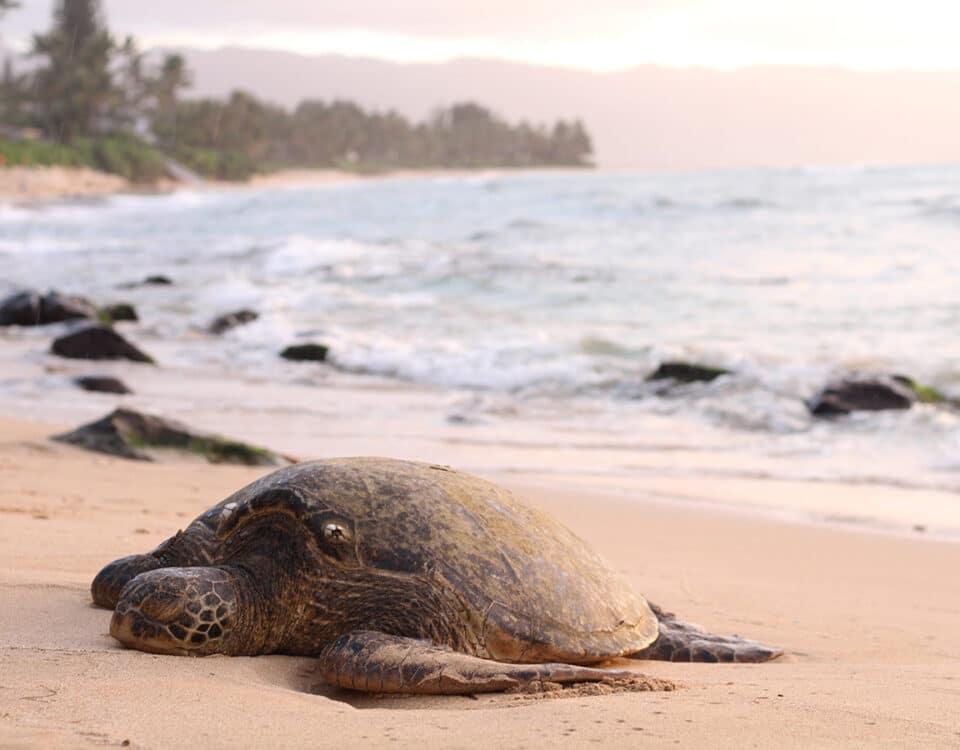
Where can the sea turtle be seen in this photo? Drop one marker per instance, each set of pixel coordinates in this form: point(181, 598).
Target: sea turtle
point(401, 577)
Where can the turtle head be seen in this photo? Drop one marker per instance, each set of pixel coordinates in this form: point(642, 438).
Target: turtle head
point(184, 611)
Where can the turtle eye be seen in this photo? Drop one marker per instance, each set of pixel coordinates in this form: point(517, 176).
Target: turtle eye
point(335, 537)
point(336, 533)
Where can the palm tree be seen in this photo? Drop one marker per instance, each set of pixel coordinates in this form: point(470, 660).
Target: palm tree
point(173, 78)
point(75, 88)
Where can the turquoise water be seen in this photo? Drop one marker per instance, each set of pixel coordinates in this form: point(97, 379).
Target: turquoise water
point(547, 298)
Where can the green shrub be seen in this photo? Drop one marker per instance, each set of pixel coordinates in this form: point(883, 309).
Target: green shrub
point(39, 154)
point(127, 156)
point(118, 153)
point(216, 164)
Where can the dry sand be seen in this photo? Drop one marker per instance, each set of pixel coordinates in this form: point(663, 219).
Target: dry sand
point(27, 184)
point(871, 624)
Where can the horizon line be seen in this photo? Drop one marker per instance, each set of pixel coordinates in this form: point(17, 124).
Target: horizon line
point(826, 66)
point(17, 47)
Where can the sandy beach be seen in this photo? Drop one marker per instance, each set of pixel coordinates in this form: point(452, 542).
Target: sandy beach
point(27, 184)
point(32, 184)
point(868, 622)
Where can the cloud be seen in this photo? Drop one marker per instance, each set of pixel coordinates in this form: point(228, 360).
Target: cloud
point(424, 18)
point(412, 17)
point(594, 34)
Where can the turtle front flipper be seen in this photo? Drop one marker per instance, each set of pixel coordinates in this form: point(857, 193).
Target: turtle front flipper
point(194, 546)
point(109, 582)
point(681, 641)
point(379, 663)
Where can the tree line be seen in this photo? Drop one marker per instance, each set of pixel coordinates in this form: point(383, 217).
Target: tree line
point(87, 91)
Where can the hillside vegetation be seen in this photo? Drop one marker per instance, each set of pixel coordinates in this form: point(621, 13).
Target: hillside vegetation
point(99, 102)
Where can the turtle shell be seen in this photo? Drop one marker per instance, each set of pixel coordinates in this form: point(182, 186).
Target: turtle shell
point(532, 590)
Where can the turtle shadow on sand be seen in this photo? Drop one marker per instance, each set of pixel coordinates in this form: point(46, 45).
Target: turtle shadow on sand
point(399, 577)
point(511, 698)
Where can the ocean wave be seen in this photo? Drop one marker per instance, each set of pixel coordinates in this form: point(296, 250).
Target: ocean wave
point(602, 347)
point(943, 209)
point(93, 211)
point(508, 369)
point(745, 204)
point(344, 259)
point(750, 280)
point(39, 243)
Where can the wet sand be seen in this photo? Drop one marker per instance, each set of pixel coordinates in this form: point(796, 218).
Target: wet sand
point(869, 622)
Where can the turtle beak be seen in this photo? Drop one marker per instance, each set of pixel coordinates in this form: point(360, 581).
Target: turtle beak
point(175, 611)
point(135, 631)
point(144, 615)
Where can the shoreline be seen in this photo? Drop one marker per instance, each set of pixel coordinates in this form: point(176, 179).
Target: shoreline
point(282, 410)
point(872, 658)
point(31, 186)
point(413, 430)
point(843, 506)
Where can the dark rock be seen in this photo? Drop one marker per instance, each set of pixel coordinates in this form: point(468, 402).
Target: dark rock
point(684, 372)
point(306, 352)
point(148, 281)
point(232, 320)
point(21, 309)
point(29, 308)
point(867, 394)
point(102, 384)
point(144, 437)
point(118, 312)
point(56, 307)
point(97, 342)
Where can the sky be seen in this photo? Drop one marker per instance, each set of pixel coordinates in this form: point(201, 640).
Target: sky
point(600, 35)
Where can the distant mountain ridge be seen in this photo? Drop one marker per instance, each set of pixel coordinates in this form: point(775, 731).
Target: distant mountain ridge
point(646, 117)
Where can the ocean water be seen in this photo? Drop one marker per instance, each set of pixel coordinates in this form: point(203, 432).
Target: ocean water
point(534, 306)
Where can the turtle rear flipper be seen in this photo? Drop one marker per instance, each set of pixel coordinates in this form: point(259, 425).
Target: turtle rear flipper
point(681, 641)
point(379, 663)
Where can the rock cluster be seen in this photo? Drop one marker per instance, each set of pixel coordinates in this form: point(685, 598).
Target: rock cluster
point(30, 308)
point(837, 398)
